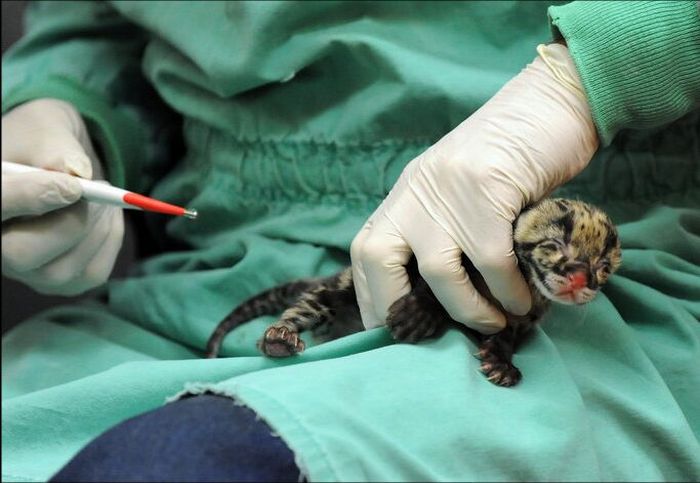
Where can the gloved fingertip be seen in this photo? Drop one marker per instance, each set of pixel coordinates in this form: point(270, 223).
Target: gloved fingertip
point(492, 327)
point(482, 317)
point(369, 321)
point(520, 305)
point(79, 164)
point(66, 189)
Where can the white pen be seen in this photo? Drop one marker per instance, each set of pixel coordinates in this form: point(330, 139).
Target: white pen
point(111, 195)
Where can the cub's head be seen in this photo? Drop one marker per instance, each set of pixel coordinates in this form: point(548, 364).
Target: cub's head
point(567, 249)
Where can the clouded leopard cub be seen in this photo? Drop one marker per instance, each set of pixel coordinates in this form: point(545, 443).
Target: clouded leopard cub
point(566, 250)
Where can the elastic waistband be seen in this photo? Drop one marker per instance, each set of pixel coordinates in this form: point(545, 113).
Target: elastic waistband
point(272, 171)
point(640, 165)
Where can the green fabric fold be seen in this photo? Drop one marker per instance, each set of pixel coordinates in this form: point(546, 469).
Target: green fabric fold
point(298, 117)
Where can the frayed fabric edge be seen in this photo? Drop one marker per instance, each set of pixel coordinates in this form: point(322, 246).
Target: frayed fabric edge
point(199, 388)
point(20, 479)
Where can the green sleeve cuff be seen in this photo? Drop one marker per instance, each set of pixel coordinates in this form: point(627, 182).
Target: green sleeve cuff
point(639, 62)
point(118, 136)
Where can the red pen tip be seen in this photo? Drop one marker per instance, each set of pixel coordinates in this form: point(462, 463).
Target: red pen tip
point(149, 204)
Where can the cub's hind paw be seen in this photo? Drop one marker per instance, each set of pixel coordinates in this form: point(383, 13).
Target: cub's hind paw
point(280, 342)
point(501, 373)
point(409, 322)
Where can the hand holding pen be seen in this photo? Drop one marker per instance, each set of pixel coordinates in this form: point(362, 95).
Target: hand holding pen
point(102, 192)
point(50, 241)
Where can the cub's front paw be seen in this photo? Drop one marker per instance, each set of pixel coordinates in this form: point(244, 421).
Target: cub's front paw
point(409, 321)
point(501, 373)
point(280, 342)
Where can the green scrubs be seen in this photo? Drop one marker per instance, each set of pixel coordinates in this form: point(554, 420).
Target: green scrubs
point(285, 124)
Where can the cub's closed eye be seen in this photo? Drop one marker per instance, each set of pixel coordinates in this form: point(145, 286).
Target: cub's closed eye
point(549, 246)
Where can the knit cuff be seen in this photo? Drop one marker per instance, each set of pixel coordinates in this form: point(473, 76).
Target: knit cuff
point(639, 62)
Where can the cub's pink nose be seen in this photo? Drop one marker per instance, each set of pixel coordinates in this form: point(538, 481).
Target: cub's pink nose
point(578, 280)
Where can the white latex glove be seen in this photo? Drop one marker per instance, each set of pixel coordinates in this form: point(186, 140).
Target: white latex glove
point(465, 191)
point(50, 240)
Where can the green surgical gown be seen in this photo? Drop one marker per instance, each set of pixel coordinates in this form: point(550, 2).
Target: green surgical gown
point(285, 124)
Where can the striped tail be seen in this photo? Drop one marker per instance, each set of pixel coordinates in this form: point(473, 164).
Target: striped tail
point(272, 301)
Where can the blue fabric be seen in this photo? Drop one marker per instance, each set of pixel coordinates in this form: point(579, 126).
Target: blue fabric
point(203, 438)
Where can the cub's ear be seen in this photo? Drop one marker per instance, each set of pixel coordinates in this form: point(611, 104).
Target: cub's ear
point(529, 207)
point(563, 204)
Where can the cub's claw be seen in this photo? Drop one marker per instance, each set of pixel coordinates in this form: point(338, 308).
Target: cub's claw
point(280, 342)
point(501, 373)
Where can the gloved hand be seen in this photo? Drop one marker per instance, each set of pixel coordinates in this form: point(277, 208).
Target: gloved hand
point(465, 191)
point(50, 240)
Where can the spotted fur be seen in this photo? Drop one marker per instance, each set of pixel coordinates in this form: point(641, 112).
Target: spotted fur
point(555, 241)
